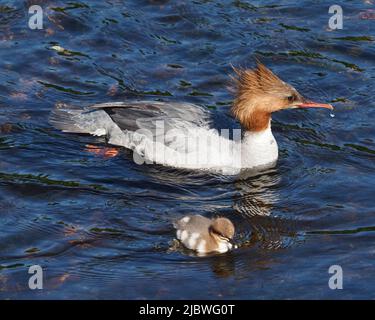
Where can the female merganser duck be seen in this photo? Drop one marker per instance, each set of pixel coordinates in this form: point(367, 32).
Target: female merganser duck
point(181, 134)
point(204, 235)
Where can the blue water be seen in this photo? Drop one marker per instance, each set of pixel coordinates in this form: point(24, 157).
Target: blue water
point(100, 226)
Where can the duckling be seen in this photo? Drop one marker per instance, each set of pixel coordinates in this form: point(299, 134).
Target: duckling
point(205, 235)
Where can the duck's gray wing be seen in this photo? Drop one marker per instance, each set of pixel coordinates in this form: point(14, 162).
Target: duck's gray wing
point(109, 118)
point(145, 114)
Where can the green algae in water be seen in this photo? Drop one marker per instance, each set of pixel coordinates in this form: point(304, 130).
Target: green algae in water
point(184, 83)
point(105, 230)
point(43, 179)
point(200, 93)
point(357, 39)
point(63, 89)
point(65, 52)
point(156, 93)
point(32, 250)
point(70, 6)
point(11, 266)
point(295, 28)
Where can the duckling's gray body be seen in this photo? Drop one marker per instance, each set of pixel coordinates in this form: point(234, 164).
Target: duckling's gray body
point(195, 223)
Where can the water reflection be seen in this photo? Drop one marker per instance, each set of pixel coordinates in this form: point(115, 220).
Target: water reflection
point(257, 192)
point(257, 203)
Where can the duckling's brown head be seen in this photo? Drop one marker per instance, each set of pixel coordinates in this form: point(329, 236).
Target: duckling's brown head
point(223, 228)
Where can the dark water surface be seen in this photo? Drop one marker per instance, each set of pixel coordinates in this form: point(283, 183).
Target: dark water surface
point(100, 226)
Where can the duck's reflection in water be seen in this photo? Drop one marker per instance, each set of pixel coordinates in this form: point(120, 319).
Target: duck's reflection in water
point(258, 205)
point(257, 193)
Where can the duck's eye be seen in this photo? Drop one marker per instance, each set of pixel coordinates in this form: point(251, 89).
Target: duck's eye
point(291, 98)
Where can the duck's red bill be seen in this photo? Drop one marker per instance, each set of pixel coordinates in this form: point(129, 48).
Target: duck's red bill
point(311, 104)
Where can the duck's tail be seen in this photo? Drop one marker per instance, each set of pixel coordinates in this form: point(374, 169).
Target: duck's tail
point(65, 117)
point(74, 119)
